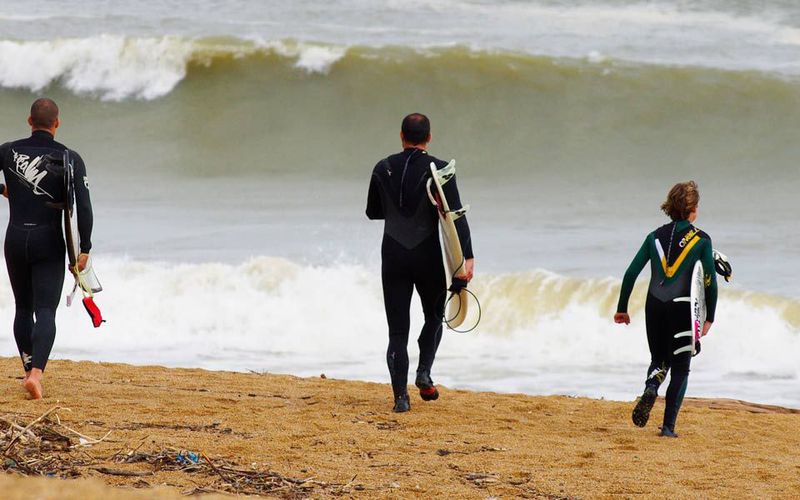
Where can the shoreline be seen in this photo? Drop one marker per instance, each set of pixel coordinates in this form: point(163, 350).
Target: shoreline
point(325, 437)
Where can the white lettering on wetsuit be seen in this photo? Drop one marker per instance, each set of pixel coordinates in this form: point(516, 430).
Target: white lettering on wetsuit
point(28, 171)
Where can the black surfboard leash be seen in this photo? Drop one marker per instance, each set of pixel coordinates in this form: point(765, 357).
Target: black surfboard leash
point(460, 305)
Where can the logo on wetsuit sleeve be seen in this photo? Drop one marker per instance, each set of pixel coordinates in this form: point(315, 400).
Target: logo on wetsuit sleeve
point(28, 171)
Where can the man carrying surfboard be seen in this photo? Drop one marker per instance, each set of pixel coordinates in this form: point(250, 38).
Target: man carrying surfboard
point(672, 250)
point(34, 243)
point(411, 253)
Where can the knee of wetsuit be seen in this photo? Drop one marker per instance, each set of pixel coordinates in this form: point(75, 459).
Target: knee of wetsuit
point(45, 315)
point(23, 311)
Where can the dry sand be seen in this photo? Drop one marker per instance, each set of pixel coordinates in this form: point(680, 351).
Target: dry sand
point(343, 436)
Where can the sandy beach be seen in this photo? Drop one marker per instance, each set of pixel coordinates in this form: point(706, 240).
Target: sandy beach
point(319, 437)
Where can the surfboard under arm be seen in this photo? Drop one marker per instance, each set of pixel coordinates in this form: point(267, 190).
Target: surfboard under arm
point(451, 244)
point(697, 302)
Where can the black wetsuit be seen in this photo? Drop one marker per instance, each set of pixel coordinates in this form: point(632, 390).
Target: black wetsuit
point(34, 244)
point(672, 250)
point(411, 254)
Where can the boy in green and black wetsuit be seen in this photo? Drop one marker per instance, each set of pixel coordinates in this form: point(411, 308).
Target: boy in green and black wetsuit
point(672, 250)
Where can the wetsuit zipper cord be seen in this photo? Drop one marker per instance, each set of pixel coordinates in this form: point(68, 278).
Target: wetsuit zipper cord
point(403, 176)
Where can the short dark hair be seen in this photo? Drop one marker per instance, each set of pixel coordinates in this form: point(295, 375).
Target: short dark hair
point(681, 201)
point(416, 128)
point(44, 113)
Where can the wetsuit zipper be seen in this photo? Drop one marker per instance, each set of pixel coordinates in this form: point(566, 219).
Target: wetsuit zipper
point(403, 176)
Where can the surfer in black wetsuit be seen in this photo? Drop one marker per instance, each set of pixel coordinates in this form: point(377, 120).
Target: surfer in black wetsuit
point(34, 244)
point(411, 254)
point(672, 250)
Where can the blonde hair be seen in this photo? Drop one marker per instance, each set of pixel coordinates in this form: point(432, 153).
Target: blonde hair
point(682, 200)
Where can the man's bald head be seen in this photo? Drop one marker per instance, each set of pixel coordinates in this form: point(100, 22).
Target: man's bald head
point(44, 114)
point(416, 129)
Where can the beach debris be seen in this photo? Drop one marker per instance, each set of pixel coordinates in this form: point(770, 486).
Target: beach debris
point(48, 447)
point(481, 479)
point(485, 448)
point(117, 472)
point(37, 448)
point(187, 458)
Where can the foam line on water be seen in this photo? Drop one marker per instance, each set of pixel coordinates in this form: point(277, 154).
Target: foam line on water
point(276, 315)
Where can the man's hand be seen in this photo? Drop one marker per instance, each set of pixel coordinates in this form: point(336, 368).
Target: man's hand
point(4, 190)
point(83, 259)
point(469, 268)
point(622, 318)
point(706, 328)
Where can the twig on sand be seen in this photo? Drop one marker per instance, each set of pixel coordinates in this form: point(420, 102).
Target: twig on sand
point(214, 467)
point(18, 427)
point(42, 417)
point(117, 472)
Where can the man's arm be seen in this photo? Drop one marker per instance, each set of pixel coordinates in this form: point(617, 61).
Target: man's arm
point(374, 203)
point(83, 204)
point(3, 187)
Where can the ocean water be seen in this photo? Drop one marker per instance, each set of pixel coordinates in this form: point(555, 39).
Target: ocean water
point(229, 146)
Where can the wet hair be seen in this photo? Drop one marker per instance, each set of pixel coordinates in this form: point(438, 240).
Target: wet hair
point(681, 201)
point(416, 128)
point(44, 113)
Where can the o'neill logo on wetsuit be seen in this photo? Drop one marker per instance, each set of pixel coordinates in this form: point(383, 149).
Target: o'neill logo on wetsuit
point(28, 171)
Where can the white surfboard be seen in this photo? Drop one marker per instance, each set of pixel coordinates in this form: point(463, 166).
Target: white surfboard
point(453, 256)
point(697, 300)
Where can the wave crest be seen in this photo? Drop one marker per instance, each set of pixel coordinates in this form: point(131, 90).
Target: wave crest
point(116, 67)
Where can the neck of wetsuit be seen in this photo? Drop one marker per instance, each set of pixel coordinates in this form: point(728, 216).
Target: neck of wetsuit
point(682, 224)
point(42, 134)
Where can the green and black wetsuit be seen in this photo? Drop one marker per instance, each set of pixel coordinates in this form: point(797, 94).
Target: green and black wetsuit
point(672, 250)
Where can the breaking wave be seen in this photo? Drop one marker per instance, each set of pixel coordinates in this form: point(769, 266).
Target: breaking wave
point(115, 67)
point(273, 314)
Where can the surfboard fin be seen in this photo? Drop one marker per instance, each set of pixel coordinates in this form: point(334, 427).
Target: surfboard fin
point(445, 173)
point(723, 266)
point(461, 212)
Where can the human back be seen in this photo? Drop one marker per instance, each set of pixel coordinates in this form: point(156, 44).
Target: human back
point(34, 183)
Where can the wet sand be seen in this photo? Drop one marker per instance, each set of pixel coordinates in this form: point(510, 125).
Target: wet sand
point(326, 438)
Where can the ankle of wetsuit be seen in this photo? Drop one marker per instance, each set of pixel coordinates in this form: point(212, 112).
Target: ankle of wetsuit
point(397, 361)
point(674, 400)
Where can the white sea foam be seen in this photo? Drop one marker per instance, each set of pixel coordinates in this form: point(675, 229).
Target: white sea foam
point(110, 66)
point(117, 67)
point(541, 332)
point(308, 57)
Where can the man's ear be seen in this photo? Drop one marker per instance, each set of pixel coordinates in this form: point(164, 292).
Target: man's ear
point(30, 121)
point(57, 123)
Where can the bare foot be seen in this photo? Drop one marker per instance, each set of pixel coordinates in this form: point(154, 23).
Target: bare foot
point(33, 384)
point(25, 379)
point(34, 388)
